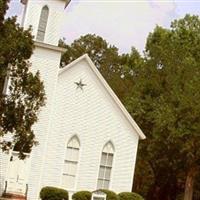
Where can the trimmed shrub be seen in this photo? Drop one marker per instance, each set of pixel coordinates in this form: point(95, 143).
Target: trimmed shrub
point(129, 196)
point(110, 194)
point(53, 193)
point(82, 195)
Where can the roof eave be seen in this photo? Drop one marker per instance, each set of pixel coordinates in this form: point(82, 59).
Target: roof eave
point(110, 92)
point(67, 3)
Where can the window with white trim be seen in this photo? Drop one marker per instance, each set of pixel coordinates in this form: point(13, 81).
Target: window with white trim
point(42, 24)
point(105, 166)
point(71, 163)
point(6, 85)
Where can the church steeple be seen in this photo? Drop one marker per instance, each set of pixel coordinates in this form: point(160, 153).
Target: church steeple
point(45, 17)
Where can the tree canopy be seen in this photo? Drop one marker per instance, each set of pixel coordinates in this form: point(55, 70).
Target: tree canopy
point(25, 95)
point(161, 91)
point(116, 69)
point(165, 103)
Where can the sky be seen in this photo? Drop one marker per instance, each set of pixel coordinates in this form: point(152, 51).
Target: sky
point(123, 23)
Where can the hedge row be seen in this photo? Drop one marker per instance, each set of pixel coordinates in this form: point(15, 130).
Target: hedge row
point(82, 195)
point(129, 196)
point(52, 193)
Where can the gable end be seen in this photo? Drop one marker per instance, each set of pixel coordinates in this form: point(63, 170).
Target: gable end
point(109, 90)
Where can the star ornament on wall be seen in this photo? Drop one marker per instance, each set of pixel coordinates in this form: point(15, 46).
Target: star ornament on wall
point(80, 84)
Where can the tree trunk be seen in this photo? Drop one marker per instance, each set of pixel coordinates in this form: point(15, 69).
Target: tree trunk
point(189, 183)
point(167, 191)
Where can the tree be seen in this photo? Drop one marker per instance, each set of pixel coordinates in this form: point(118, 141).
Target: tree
point(20, 105)
point(106, 58)
point(165, 103)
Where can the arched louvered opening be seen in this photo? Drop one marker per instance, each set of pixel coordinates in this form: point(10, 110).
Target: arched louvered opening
point(42, 24)
point(105, 166)
point(71, 163)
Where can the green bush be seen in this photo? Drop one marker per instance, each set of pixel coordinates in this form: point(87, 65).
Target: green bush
point(129, 196)
point(110, 195)
point(53, 193)
point(82, 195)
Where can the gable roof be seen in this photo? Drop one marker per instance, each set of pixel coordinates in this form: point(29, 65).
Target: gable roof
point(108, 89)
point(67, 2)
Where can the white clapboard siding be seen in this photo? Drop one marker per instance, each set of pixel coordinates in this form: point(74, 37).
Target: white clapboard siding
point(93, 115)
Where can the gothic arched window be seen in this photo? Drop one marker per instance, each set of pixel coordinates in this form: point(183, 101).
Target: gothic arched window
point(42, 23)
point(105, 166)
point(71, 163)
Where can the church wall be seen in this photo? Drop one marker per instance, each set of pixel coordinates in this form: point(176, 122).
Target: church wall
point(56, 9)
point(4, 158)
point(4, 164)
point(95, 118)
point(47, 62)
point(91, 114)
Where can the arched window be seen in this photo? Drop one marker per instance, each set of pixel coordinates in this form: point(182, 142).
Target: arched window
point(42, 23)
point(105, 166)
point(70, 163)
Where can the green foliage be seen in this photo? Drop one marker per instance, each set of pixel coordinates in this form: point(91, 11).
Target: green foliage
point(104, 56)
point(129, 196)
point(101, 53)
point(110, 195)
point(20, 106)
point(165, 103)
point(82, 195)
point(144, 175)
point(117, 69)
point(53, 193)
point(3, 8)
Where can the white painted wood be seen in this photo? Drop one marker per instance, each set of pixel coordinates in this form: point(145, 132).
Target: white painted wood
point(96, 119)
point(32, 13)
point(98, 195)
point(95, 115)
point(17, 174)
point(91, 114)
point(108, 89)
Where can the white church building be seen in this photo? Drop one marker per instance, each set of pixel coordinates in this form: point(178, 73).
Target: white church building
point(87, 139)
